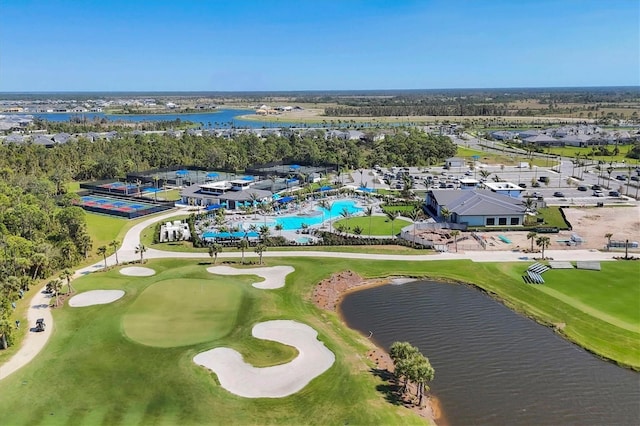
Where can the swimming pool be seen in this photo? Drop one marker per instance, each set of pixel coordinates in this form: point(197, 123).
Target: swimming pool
point(293, 222)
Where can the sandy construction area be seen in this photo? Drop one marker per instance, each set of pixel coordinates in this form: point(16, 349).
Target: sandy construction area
point(591, 224)
point(274, 276)
point(137, 271)
point(278, 381)
point(95, 297)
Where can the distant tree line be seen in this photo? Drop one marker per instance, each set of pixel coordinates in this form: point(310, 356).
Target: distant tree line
point(103, 159)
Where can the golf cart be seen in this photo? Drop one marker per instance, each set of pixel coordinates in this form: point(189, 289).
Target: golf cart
point(40, 325)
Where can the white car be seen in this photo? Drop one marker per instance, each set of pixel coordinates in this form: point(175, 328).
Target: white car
point(598, 194)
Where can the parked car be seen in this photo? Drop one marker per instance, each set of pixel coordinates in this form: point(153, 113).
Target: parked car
point(614, 194)
point(582, 188)
point(535, 184)
point(598, 193)
point(596, 188)
point(558, 194)
point(537, 194)
point(522, 185)
point(636, 178)
point(621, 177)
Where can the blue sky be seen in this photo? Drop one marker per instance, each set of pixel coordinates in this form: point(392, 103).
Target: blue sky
point(273, 45)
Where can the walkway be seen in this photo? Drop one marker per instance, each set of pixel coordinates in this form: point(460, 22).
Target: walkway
point(35, 342)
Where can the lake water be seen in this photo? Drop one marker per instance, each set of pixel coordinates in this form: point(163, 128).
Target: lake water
point(492, 365)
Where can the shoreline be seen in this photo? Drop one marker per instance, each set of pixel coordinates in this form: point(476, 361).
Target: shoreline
point(328, 295)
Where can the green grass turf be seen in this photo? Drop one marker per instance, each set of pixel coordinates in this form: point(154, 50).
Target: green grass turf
point(380, 225)
point(90, 373)
point(103, 228)
point(608, 299)
point(574, 151)
point(182, 312)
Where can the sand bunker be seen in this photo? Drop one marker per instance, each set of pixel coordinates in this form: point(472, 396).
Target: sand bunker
point(137, 271)
point(278, 381)
point(95, 297)
point(274, 276)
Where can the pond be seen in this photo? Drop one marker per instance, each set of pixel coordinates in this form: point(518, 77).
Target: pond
point(494, 366)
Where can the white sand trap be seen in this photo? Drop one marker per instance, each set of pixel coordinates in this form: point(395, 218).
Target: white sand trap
point(137, 271)
point(95, 297)
point(274, 276)
point(278, 381)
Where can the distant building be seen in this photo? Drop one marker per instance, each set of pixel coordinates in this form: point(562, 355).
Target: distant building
point(504, 188)
point(176, 231)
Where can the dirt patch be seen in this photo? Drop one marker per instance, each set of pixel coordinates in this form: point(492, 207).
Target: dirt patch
point(329, 292)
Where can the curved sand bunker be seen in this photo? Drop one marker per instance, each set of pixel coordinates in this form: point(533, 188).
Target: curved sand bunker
point(137, 271)
point(95, 297)
point(278, 381)
point(274, 276)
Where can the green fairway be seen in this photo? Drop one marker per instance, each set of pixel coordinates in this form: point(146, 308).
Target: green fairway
point(608, 299)
point(380, 225)
point(91, 373)
point(183, 312)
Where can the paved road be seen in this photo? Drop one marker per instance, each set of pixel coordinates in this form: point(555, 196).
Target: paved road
point(35, 342)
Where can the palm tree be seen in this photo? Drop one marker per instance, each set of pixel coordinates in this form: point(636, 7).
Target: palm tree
point(414, 215)
point(55, 286)
point(346, 214)
point(532, 236)
point(264, 233)
point(102, 250)
point(445, 213)
point(326, 205)
point(608, 236)
point(84, 243)
point(455, 234)
point(66, 274)
point(485, 173)
point(38, 261)
point(260, 249)
point(543, 242)
point(369, 213)
point(528, 204)
point(422, 373)
point(140, 249)
point(392, 215)
point(243, 244)
point(253, 197)
point(214, 249)
point(279, 228)
point(115, 245)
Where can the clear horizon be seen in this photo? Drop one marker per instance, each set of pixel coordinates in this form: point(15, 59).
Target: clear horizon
point(316, 46)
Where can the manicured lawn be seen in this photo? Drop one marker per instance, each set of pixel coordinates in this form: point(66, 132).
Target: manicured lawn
point(91, 373)
point(103, 229)
point(183, 312)
point(608, 298)
point(401, 209)
point(497, 158)
point(380, 225)
point(573, 152)
point(551, 216)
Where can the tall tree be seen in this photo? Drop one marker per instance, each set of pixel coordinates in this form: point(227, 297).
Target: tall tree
point(543, 242)
point(115, 244)
point(243, 244)
point(608, 236)
point(67, 275)
point(214, 250)
point(260, 249)
point(392, 215)
point(102, 251)
point(141, 249)
point(532, 236)
point(455, 234)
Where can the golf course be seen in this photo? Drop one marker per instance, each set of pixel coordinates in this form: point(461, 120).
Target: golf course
point(133, 360)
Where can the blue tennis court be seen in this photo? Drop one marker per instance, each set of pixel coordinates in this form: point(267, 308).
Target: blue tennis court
point(118, 207)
